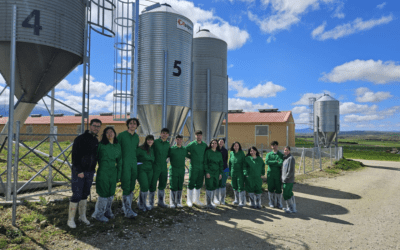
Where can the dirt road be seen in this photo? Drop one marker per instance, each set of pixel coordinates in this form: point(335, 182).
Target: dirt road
point(359, 210)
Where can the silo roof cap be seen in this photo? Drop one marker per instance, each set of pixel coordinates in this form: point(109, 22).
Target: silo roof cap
point(326, 98)
point(160, 8)
point(205, 33)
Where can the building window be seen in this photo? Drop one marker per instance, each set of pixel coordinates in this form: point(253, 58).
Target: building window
point(78, 129)
point(221, 130)
point(29, 129)
point(262, 130)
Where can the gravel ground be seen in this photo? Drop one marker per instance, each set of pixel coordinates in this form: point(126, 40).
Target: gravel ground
point(356, 211)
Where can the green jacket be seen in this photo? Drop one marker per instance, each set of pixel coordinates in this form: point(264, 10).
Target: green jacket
point(177, 157)
point(129, 144)
point(254, 168)
point(147, 160)
point(110, 161)
point(236, 162)
point(213, 162)
point(160, 149)
point(196, 154)
point(274, 161)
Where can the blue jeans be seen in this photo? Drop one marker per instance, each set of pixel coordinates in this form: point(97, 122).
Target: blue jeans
point(81, 186)
point(222, 182)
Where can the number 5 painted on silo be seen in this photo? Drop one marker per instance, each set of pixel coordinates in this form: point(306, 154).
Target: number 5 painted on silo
point(36, 26)
point(177, 67)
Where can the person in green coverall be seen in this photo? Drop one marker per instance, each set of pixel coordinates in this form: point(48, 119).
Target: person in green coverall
point(145, 158)
point(177, 155)
point(160, 169)
point(274, 161)
point(213, 165)
point(196, 151)
point(108, 174)
point(254, 170)
point(220, 192)
point(288, 170)
point(129, 141)
point(236, 162)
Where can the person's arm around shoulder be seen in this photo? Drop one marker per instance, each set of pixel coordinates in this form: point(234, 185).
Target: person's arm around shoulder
point(280, 158)
point(246, 167)
point(119, 162)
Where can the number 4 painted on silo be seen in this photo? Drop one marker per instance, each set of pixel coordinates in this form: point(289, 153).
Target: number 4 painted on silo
point(176, 66)
point(36, 26)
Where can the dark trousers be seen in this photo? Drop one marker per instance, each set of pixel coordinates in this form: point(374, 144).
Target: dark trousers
point(81, 186)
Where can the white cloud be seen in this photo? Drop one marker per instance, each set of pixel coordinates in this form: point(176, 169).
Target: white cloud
point(237, 103)
point(230, 66)
point(347, 29)
point(302, 118)
point(270, 39)
point(338, 13)
point(366, 95)
point(245, 1)
point(2, 80)
point(381, 6)
point(96, 88)
point(362, 118)
point(285, 13)
point(377, 72)
point(267, 89)
point(299, 109)
point(352, 108)
point(304, 100)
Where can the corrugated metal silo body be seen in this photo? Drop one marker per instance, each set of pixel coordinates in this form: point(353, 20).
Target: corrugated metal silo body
point(209, 52)
point(50, 45)
point(163, 29)
point(326, 118)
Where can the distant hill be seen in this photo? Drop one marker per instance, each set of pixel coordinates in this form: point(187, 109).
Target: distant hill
point(43, 112)
point(307, 131)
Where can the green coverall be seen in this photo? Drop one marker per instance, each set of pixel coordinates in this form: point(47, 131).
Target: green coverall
point(196, 169)
point(177, 156)
point(213, 165)
point(129, 144)
point(236, 163)
point(109, 171)
point(274, 162)
point(160, 169)
point(253, 170)
point(145, 170)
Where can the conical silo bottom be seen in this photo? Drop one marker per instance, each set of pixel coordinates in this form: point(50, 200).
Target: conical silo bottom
point(21, 113)
point(200, 122)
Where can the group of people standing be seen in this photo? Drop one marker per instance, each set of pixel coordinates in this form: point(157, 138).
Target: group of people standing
point(121, 159)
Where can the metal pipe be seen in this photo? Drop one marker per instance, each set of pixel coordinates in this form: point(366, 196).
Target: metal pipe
point(85, 59)
point(65, 105)
point(164, 108)
point(287, 134)
point(336, 138)
point(304, 161)
point(11, 101)
point(134, 111)
point(192, 106)
point(208, 106)
point(14, 208)
point(226, 130)
point(3, 89)
point(50, 179)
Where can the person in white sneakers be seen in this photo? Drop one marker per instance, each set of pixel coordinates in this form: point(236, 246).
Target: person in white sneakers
point(288, 169)
point(84, 160)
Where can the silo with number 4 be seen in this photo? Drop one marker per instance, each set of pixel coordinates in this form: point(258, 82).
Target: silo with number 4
point(164, 69)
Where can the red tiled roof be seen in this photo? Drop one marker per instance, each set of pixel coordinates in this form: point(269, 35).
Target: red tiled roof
point(251, 117)
point(65, 120)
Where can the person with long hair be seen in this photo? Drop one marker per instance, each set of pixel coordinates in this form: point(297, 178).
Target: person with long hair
point(236, 162)
point(213, 165)
point(220, 192)
point(129, 141)
point(254, 169)
point(145, 158)
point(274, 161)
point(108, 174)
point(288, 169)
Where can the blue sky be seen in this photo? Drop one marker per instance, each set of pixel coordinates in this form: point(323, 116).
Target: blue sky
point(281, 52)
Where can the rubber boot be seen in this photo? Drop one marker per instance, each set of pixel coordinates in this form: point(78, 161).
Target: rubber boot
point(108, 212)
point(271, 199)
point(190, 197)
point(278, 198)
point(178, 199)
point(209, 198)
point(82, 212)
point(172, 199)
point(130, 205)
point(161, 197)
point(197, 197)
point(252, 200)
point(148, 206)
point(216, 197)
point(71, 214)
point(294, 204)
point(236, 194)
point(242, 199)
point(287, 209)
point(258, 201)
point(222, 195)
point(151, 198)
point(126, 206)
point(100, 209)
point(141, 202)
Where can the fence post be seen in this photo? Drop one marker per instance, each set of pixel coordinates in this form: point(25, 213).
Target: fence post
point(16, 157)
point(330, 154)
point(50, 177)
point(313, 160)
point(320, 157)
point(304, 161)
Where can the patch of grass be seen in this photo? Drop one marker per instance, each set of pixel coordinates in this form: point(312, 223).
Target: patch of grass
point(347, 164)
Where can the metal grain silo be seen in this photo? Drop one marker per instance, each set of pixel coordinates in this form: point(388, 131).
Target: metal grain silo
point(164, 69)
point(210, 83)
point(49, 45)
point(326, 120)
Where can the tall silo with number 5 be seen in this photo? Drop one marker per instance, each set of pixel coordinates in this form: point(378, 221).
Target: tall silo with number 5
point(164, 69)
